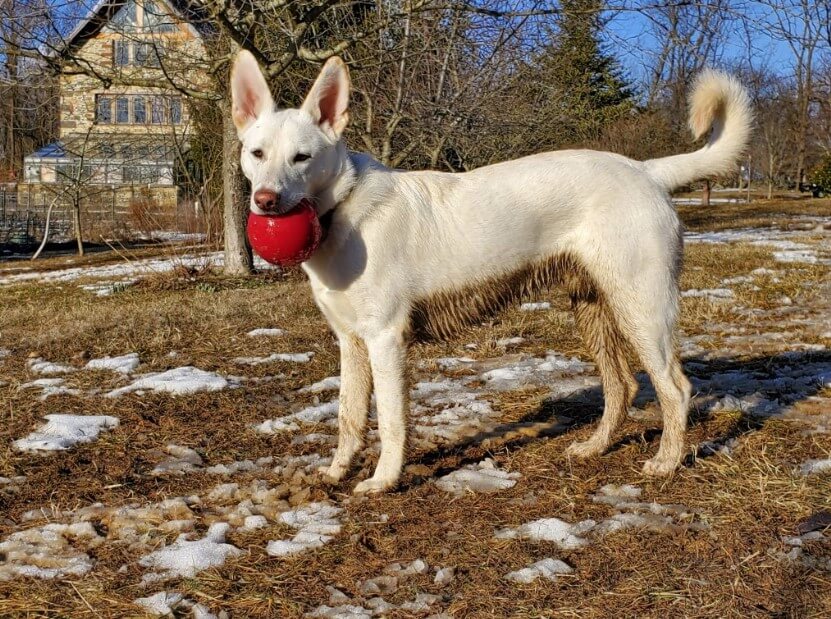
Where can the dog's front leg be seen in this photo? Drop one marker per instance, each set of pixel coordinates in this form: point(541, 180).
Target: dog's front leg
point(353, 407)
point(388, 358)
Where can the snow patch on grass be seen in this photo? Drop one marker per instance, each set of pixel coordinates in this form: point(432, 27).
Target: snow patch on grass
point(709, 293)
point(39, 366)
point(185, 380)
point(330, 383)
point(266, 332)
point(123, 364)
point(548, 568)
point(186, 558)
point(298, 357)
point(481, 477)
point(535, 307)
point(50, 387)
point(814, 467)
point(317, 524)
point(48, 551)
point(62, 432)
point(565, 535)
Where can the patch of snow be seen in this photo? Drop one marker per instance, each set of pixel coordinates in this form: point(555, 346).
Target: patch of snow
point(160, 604)
point(330, 383)
point(47, 551)
point(317, 524)
point(738, 279)
point(39, 366)
point(182, 460)
point(299, 357)
point(185, 380)
point(185, 558)
point(565, 535)
point(313, 414)
point(813, 467)
point(449, 363)
point(535, 307)
point(548, 568)
point(62, 432)
point(481, 477)
point(344, 611)
point(709, 293)
point(108, 288)
point(50, 387)
point(265, 332)
point(123, 364)
point(444, 576)
point(507, 342)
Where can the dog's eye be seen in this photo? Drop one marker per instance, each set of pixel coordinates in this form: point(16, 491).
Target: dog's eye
point(258, 153)
point(301, 157)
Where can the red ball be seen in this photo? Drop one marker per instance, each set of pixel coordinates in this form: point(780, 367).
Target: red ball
point(286, 239)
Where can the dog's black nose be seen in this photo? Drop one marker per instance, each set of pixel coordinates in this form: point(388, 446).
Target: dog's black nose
point(266, 199)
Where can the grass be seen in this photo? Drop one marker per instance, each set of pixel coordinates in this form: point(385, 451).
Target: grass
point(748, 500)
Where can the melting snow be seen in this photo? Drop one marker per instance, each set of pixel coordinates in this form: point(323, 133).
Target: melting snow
point(710, 293)
point(265, 332)
point(813, 467)
point(535, 307)
point(47, 551)
point(64, 431)
point(299, 357)
point(187, 558)
point(182, 460)
point(329, 383)
point(317, 523)
point(549, 569)
point(50, 387)
point(565, 535)
point(123, 364)
point(482, 477)
point(312, 414)
point(39, 366)
point(178, 381)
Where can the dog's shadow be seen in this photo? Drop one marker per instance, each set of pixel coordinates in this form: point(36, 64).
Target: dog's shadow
point(783, 379)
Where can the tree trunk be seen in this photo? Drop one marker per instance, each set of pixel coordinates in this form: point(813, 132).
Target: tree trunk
point(76, 224)
point(705, 195)
point(238, 257)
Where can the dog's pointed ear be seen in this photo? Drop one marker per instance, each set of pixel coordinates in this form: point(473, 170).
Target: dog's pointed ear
point(250, 95)
point(328, 100)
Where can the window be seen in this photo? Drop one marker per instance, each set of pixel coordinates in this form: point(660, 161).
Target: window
point(156, 20)
point(141, 51)
point(125, 20)
point(175, 111)
point(145, 174)
point(122, 110)
point(126, 152)
point(139, 111)
point(157, 111)
point(107, 150)
point(104, 110)
point(121, 53)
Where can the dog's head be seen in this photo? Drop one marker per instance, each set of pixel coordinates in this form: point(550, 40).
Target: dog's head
point(289, 155)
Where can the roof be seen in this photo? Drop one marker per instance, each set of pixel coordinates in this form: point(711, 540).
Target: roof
point(55, 150)
point(104, 10)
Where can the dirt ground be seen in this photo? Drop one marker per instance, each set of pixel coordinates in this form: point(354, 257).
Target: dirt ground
point(741, 530)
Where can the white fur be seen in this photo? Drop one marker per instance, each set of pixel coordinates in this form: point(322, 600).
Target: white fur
point(398, 237)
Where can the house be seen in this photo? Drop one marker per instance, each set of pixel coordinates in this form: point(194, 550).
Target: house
point(125, 125)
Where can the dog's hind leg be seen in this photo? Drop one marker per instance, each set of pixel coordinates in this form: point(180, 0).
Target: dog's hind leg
point(353, 408)
point(647, 318)
point(606, 344)
point(388, 357)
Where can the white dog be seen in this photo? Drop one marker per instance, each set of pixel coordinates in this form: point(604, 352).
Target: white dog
point(413, 254)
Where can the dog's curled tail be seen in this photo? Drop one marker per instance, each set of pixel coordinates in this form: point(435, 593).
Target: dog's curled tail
point(718, 101)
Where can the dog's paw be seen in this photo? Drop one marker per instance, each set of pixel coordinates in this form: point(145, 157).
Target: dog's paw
point(374, 486)
point(585, 449)
point(331, 474)
point(660, 466)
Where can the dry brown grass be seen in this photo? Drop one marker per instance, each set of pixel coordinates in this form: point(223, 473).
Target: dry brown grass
point(748, 500)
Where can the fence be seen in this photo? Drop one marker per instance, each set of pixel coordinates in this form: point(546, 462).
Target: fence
point(121, 211)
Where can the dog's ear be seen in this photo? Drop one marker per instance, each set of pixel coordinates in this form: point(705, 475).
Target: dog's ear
point(328, 100)
point(249, 91)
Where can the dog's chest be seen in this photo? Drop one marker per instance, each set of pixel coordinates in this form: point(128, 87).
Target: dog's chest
point(336, 307)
